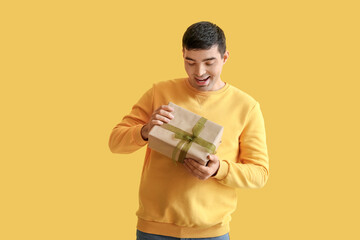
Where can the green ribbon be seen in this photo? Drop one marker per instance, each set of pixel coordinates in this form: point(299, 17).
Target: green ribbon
point(186, 139)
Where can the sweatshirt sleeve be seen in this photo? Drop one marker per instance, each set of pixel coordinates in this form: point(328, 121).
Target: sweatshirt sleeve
point(126, 136)
point(252, 167)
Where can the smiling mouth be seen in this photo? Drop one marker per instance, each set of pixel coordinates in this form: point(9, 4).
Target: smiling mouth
point(203, 81)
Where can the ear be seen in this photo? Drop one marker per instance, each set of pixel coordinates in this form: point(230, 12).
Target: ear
point(225, 57)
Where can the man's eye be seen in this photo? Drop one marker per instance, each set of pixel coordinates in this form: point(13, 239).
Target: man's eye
point(209, 63)
point(191, 64)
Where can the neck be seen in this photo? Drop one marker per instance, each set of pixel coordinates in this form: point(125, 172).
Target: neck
point(220, 84)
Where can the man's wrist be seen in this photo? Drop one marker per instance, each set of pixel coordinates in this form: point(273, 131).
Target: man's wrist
point(142, 135)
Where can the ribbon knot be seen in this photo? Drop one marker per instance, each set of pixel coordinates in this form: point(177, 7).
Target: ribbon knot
point(189, 138)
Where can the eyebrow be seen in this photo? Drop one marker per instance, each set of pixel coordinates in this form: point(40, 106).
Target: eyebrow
point(206, 59)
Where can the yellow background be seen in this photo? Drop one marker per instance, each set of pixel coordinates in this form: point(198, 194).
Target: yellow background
point(70, 70)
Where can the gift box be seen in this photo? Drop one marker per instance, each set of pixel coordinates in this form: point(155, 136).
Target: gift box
point(187, 135)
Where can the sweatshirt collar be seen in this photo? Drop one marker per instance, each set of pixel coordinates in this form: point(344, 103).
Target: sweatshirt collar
point(206, 93)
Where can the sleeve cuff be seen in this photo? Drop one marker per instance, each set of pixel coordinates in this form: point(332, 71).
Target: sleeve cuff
point(222, 171)
point(137, 136)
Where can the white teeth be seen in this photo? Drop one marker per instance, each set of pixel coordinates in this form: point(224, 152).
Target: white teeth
point(202, 79)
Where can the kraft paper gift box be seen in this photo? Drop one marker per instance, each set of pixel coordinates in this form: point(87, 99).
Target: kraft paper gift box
point(187, 135)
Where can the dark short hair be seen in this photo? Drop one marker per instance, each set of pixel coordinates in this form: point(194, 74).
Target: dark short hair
point(204, 35)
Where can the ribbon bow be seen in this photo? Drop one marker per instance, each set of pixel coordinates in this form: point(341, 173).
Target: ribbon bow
point(186, 139)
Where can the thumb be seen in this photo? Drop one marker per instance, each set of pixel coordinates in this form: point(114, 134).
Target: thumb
point(211, 157)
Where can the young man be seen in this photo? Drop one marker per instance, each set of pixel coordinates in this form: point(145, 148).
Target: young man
point(190, 200)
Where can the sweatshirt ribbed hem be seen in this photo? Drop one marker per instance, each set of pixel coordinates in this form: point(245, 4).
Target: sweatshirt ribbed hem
point(223, 170)
point(137, 136)
point(168, 229)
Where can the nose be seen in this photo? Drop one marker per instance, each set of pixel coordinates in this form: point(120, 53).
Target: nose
point(200, 70)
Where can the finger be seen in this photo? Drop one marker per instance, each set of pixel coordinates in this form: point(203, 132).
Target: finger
point(213, 159)
point(167, 107)
point(157, 122)
point(166, 114)
point(161, 118)
point(195, 172)
point(213, 164)
point(196, 168)
point(187, 168)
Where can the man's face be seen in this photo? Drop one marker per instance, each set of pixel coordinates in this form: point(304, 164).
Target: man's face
point(204, 67)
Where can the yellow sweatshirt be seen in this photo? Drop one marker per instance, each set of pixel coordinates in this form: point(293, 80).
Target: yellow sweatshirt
point(173, 202)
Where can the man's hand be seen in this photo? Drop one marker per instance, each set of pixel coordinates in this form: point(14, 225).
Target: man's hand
point(159, 117)
point(200, 171)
